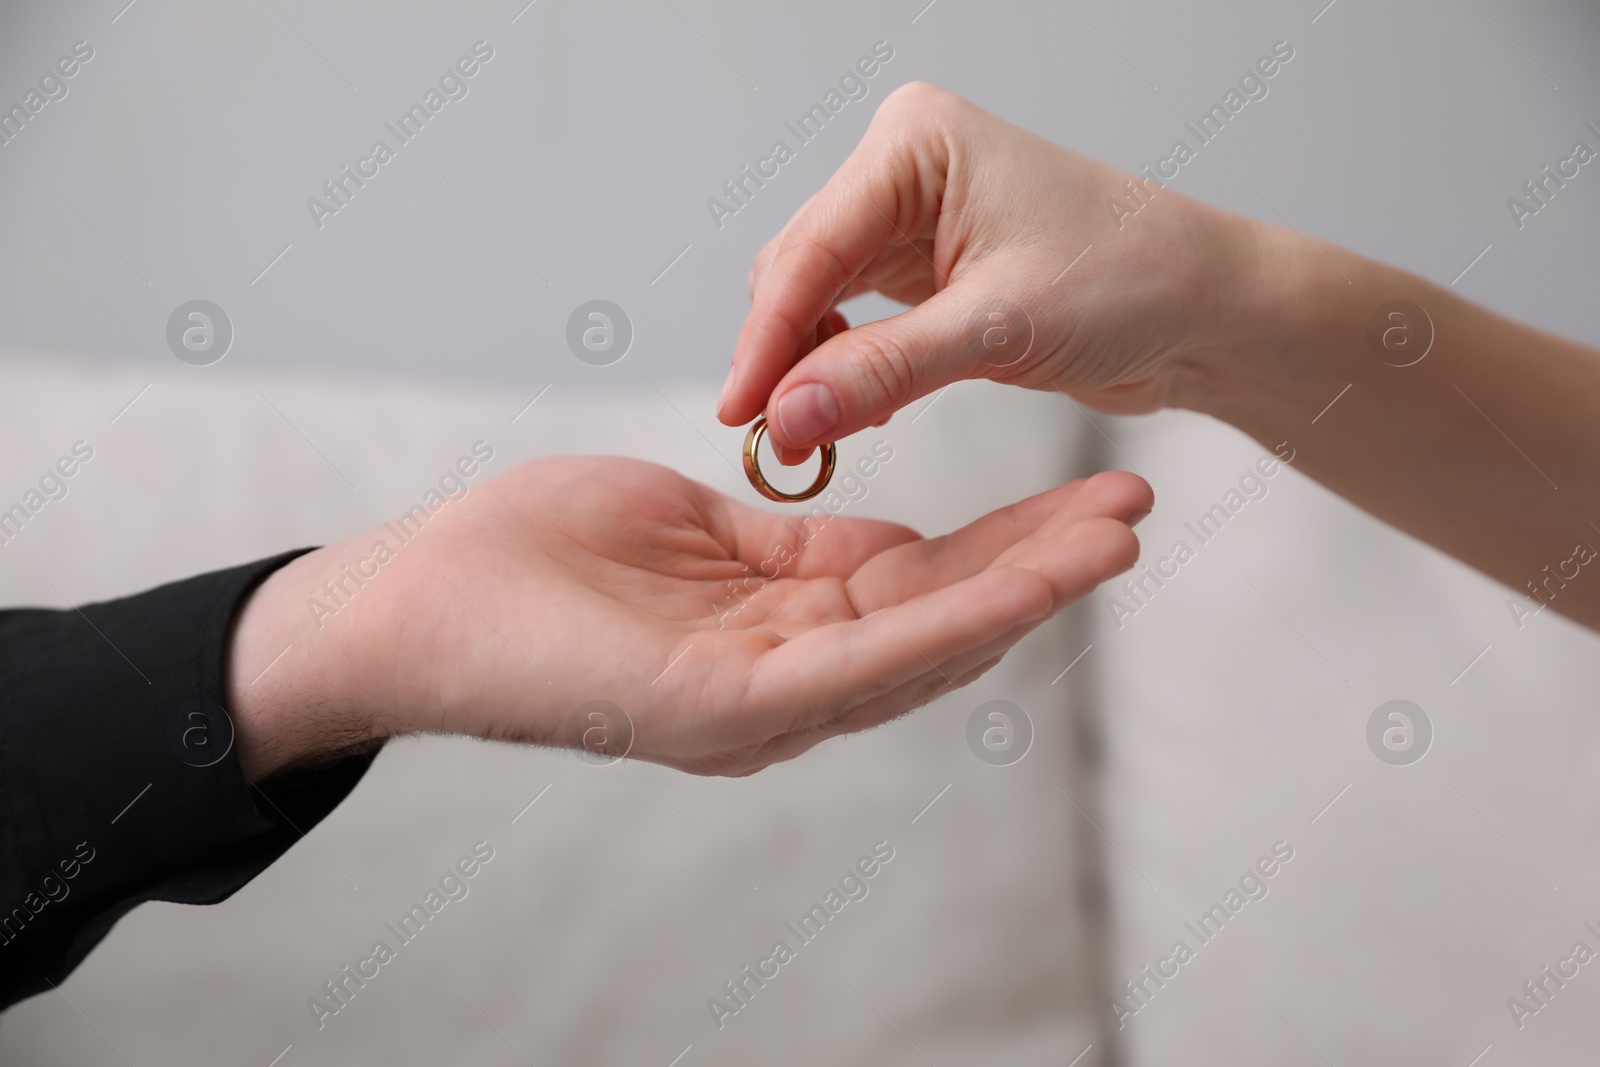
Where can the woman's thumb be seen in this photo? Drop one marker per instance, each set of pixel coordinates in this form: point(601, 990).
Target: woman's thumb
point(862, 376)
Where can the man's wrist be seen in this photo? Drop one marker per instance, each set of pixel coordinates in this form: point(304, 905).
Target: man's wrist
point(290, 693)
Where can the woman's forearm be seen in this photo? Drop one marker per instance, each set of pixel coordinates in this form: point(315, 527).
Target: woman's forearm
point(1488, 446)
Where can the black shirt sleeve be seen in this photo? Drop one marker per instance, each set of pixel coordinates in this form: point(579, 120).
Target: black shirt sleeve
point(118, 781)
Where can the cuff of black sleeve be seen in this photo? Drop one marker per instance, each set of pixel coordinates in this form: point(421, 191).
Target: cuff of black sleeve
point(114, 745)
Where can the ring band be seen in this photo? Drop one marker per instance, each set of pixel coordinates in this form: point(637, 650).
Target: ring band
point(752, 468)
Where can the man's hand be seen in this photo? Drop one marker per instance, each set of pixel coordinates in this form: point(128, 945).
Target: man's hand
point(569, 580)
point(946, 207)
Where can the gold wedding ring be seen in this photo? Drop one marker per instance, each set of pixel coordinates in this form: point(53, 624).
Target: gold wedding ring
point(752, 468)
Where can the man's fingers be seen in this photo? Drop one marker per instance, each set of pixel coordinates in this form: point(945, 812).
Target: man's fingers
point(850, 675)
point(1075, 560)
point(911, 569)
point(819, 675)
point(872, 679)
point(952, 675)
point(889, 563)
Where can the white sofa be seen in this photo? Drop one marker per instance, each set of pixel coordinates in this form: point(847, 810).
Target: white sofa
point(1177, 750)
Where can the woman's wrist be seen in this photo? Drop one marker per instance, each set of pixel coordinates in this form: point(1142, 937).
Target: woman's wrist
point(1296, 336)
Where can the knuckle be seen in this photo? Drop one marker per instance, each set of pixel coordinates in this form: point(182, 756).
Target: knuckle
point(922, 103)
point(916, 96)
point(763, 263)
point(823, 262)
point(885, 367)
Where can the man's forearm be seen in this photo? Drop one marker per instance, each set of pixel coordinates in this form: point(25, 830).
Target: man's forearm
point(1488, 447)
point(119, 772)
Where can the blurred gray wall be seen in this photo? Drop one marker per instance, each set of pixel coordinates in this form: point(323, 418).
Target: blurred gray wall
point(579, 164)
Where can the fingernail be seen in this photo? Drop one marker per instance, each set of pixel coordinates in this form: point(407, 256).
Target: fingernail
point(1138, 517)
point(727, 387)
point(807, 412)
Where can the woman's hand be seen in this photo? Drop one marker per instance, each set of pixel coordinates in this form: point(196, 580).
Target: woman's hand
point(572, 580)
point(1459, 426)
point(976, 223)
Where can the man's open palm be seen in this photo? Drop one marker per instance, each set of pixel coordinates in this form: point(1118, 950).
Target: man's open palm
point(579, 579)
